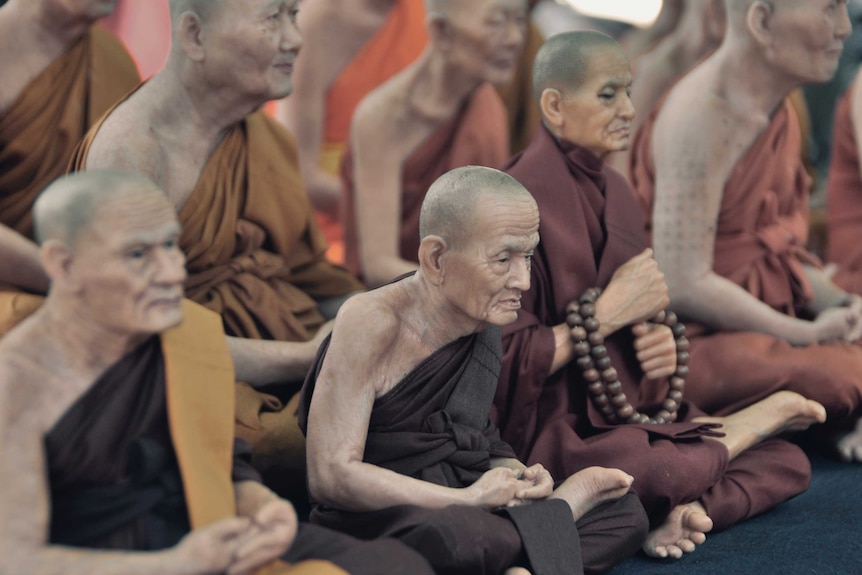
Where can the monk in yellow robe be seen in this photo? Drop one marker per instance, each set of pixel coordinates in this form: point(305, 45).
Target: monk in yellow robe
point(440, 113)
point(60, 73)
point(126, 444)
point(255, 253)
point(350, 49)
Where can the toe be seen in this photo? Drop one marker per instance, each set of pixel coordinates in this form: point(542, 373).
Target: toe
point(686, 545)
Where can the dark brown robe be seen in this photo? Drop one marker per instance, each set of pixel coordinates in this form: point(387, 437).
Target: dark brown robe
point(116, 480)
point(477, 135)
point(760, 242)
point(590, 225)
point(256, 257)
point(433, 425)
point(844, 199)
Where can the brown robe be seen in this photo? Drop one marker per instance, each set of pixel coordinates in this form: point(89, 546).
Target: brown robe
point(477, 135)
point(844, 199)
point(433, 425)
point(761, 233)
point(39, 132)
point(147, 453)
point(256, 257)
point(590, 225)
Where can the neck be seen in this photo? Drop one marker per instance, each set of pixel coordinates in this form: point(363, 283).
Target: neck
point(88, 347)
point(53, 29)
point(432, 317)
point(748, 82)
point(193, 111)
point(438, 89)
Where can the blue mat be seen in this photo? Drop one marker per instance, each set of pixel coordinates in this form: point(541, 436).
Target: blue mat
point(817, 533)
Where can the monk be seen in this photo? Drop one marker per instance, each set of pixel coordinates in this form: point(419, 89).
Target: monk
point(579, 390)
point(698, 32)
point(440, 113)
point(396, 409)
point(351, 47)
point(844, 192)
point(60, 73)
point(717, 169)
point(116, 399)
point(255, 253)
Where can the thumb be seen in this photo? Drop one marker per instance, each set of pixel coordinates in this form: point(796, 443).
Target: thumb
point(229, 528)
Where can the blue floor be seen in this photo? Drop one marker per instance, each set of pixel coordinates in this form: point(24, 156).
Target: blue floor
point(816, 533)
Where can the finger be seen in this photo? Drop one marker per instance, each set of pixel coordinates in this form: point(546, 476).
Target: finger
point(657, 337)
point(228, 529)
point(664, 349)
point(640, 330)
point(661, 362)
point(660, 373)
point(276, 510)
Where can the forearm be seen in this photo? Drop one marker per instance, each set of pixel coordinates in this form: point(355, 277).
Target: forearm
point(259, 362)
point(250, 497)
point(21, 263)
point(324, 189)
point(57, 560)
point(723, 305)
point(364, 487)
point(826, 293)
point(381, 270)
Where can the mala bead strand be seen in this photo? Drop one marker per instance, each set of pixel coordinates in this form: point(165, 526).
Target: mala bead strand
point(603, 384)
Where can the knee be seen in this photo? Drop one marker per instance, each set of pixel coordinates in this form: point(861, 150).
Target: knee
point(391, 556)
point(612, 532)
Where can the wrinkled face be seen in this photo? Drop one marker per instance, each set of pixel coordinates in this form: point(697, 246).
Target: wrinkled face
point(87, 9)
point(252, 45)
point(487, 37)
point(484, 279)
point(128, 269)
point(598, 114)
point(808, 37)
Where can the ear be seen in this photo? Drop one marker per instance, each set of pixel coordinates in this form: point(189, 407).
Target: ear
point(432, 250)
point(191, 36)
point(439, 30)
point(759, 22)
point(57, 260)
point(550, 102)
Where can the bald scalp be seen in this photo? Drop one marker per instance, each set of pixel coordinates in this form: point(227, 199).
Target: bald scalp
point(562, 63)
point(66, 209)
point(449, 208)
point(203, 9)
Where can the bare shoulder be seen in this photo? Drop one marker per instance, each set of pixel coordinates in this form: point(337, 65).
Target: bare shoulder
point(369, 319)
point(124, 142)
point(379, 113)
point(25, 394)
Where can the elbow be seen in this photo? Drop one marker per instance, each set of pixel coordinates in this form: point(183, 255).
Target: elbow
point(324, 484)
point(684, 293)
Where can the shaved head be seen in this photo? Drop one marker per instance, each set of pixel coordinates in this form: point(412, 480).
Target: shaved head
point(67, 208)
point(449, 208)
point(563, 61)
point(202, 8)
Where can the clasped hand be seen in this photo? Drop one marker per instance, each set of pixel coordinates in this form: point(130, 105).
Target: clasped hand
point(636, 293)
point(504, 486)
point(656, 349)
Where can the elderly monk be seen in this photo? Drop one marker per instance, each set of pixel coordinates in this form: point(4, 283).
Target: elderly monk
point(60, 73)
point(718, 171)
point(844, 193)
point(397, 406)
point(116, 400)
point(570, 397)
point(255, 253)
point(697, 32)
point(440, 113)
point(351, 47)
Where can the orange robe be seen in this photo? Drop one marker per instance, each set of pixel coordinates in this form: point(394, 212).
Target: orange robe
point(256, 257)
point(39, 132)
point(477, 135)
point(761, 233)
point(844, 199)
point(397, 43)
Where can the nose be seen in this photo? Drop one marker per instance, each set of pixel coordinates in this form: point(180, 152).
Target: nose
point(291, 37)
point(627, 110)
point(516, 32)
point(170, 267)
point(845, 26)
point(520, 278)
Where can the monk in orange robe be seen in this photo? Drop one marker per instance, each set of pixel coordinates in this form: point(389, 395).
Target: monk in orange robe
point(52, 92)
point(719, 174)
point(844, 193)
point(255, 253)
point(131, 449)
point(350, 49)
point(438, 114)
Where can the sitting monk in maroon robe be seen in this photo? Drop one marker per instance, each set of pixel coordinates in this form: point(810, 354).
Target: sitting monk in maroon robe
point(255, 253)
point(60, 74)
point(592, 236)
point(396, 409)
point(439, 113)
point(726, 196)
point(117, 414)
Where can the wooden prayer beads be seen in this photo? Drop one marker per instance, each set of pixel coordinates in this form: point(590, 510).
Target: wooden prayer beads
point(602, 379)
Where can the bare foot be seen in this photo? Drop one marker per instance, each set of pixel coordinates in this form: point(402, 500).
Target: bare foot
point(592, 486)
point(849, 444)
point(516, 571)
point(685, 528)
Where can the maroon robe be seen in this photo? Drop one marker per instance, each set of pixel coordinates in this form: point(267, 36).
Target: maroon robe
point(433, 425)
point(591, 224)
point(761, 233)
